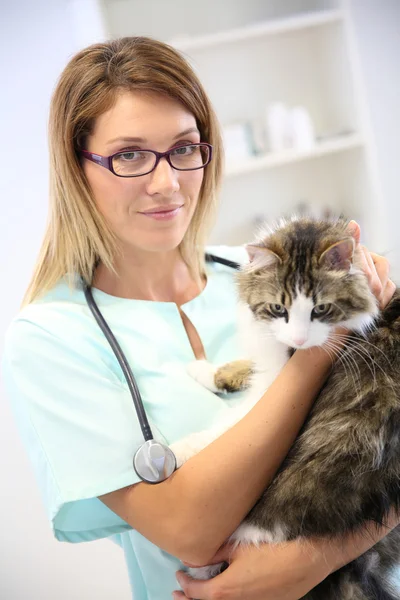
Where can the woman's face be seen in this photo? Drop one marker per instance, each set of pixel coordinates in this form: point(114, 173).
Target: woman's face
point(156, 123)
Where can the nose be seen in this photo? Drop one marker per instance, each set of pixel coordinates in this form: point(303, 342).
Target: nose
point(299, 341)
point(163, 180)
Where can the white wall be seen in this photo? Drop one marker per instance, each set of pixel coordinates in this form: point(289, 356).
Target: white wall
point(376, 26)
point(37, 38)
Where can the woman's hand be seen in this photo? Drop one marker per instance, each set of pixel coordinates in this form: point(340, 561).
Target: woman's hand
point(284, 571)
point(376, 268)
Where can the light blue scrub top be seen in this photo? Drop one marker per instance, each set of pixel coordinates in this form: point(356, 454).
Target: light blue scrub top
point(75, 413)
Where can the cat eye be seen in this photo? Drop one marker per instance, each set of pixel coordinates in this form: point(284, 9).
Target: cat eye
point(278, 310)
point(320, 310)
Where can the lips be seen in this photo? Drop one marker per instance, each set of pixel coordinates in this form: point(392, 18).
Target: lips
point(161, 209)
point(162, 213)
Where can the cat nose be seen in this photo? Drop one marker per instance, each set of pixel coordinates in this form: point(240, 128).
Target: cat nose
point(299, 341)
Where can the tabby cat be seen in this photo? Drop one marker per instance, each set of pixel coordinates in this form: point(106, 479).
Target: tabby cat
point(303, 279)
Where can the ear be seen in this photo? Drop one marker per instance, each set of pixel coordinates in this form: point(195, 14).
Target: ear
point(339, 256)
point(261, 257)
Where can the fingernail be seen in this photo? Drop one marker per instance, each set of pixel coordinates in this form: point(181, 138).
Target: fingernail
point(178, 577)
point(352, 226)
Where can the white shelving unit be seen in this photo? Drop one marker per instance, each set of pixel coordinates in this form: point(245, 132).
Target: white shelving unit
point(267, 161)
point(251, 54)
point(276, 27)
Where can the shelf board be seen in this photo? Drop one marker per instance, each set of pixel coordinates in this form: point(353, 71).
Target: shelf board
point(265, 28)
point(267, 161)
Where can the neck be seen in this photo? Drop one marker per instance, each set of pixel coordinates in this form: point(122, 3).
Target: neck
point(156, 276)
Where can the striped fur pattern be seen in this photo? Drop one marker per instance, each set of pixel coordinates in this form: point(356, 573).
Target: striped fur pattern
point(344, 467)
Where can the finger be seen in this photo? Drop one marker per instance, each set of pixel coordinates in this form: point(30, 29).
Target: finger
point(382, 267)
point(388, 293)
point(372, 275)
point(178, 595)
point(364, 263)
point(369, 261)
point(353, 229)
point(195, 588)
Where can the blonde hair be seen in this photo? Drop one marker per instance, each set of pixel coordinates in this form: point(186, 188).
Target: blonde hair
point(77, 235)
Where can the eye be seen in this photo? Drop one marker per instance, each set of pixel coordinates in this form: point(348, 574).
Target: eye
point(278, 310)
point(320, 310)
point(185, 150)
point(130, 156)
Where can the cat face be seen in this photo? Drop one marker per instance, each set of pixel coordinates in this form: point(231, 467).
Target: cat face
point(303, 280)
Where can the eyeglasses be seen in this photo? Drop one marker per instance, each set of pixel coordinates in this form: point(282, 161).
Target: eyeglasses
point(134, 163)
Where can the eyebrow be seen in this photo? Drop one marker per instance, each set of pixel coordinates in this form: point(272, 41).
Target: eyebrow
point(142, 140)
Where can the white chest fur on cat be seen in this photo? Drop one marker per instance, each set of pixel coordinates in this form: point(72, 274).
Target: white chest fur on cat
point(268, 355)
point(260, 343)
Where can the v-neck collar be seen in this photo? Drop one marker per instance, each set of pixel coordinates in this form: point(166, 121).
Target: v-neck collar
point(106, 299)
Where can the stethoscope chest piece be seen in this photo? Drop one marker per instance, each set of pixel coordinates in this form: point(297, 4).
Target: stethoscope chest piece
point(154, 462)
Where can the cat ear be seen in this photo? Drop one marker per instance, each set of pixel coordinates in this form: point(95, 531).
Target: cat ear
point(261, 257)
point(339, 256)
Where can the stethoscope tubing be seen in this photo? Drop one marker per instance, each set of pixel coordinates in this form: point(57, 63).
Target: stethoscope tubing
point(126, 369)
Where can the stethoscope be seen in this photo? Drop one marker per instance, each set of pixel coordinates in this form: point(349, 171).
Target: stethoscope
point(153, 461)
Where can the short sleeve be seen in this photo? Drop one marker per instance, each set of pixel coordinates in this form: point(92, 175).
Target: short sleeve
point(78, 424)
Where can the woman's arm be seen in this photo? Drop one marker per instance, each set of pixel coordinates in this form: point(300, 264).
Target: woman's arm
point(194, 511)
point(284, 571)
point(340, 551)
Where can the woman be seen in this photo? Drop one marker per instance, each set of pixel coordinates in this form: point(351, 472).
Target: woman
point(133, 223)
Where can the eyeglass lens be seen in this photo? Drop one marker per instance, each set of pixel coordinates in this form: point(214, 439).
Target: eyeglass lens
point(140, 162)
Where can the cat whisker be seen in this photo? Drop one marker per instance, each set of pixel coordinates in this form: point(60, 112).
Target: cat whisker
point(371, 370)
point(335, 349)
point(347, 364)
point(358, 348)
point(365, 341)
point(363, 354)
point(330, 354)
point(356, 345)
point(387, 379)
point(352, 361)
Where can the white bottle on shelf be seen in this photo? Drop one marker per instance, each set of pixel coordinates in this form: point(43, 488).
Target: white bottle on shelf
point(277, 127)
point(302, 129)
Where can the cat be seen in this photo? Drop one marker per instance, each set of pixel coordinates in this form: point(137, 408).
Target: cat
point(303, 279)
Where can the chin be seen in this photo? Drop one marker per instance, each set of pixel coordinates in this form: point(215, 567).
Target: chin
point(160, 243)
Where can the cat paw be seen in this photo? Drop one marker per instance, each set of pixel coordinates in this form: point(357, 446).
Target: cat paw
point(204, 373)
